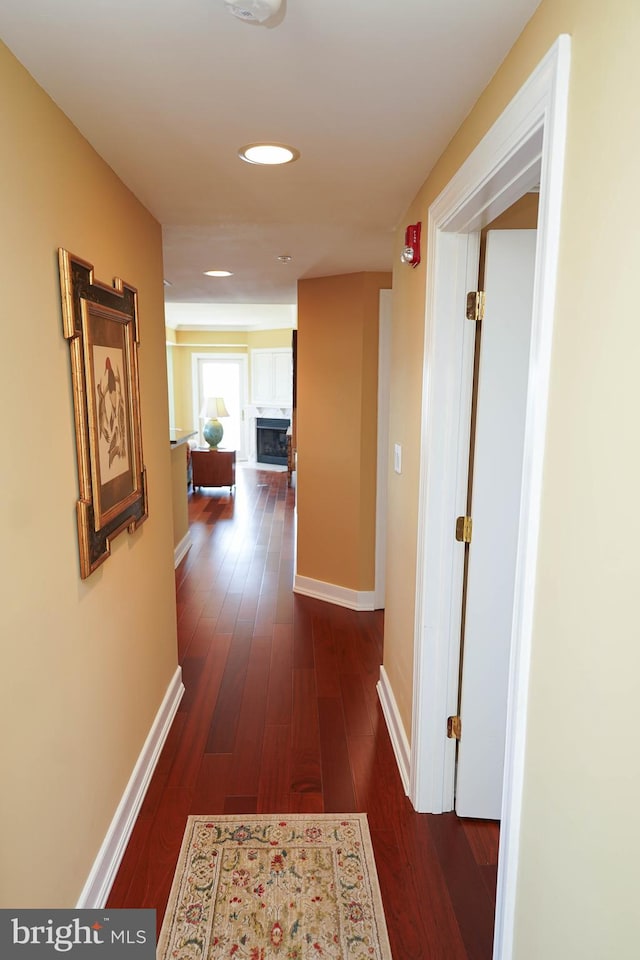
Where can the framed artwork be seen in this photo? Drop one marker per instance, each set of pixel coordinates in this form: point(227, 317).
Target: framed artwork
point(101, 324)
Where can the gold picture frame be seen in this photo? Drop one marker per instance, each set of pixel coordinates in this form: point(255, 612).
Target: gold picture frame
point(101, 324)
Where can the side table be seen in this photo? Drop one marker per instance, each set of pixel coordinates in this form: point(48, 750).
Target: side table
point(213, 468)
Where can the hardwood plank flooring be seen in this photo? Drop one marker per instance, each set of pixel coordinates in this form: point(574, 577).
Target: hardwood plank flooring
point(281, 715)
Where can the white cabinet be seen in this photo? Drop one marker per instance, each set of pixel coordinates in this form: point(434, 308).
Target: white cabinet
point(283, 376)
point(272, 376)
point(262, 376)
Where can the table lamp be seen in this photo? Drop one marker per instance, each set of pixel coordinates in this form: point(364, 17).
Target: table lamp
point(212, 431)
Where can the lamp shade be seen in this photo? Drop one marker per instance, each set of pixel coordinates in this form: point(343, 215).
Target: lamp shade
point(213, 408)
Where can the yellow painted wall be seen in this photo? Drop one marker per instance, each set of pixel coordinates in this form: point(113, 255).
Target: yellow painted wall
point(577, 885)
point(268, 339)
point(336, 428)
point(212, 341)
point(85, 664)
point(212, 338)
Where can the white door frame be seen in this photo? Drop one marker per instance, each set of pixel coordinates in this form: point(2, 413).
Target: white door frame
point(525, 146)
point(382, 471)
point(243, 361)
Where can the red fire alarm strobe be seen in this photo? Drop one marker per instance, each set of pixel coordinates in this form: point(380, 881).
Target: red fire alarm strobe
point(411, 250)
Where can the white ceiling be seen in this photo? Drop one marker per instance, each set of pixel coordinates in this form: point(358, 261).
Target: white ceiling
point(369, 91)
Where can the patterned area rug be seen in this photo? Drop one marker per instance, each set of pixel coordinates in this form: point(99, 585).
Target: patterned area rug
point(287, 887)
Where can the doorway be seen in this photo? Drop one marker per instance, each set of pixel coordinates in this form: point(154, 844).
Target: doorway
point(223, 375)
point(507, 266)
point(523, 148)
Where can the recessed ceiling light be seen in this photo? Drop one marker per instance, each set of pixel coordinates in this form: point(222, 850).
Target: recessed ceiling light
point(284, 258)
point(268, 153)
point(253, 10)
point(218, 273)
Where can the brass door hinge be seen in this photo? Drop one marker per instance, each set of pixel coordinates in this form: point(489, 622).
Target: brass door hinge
point(464, 527)
point(475, 305)
point(454, 728)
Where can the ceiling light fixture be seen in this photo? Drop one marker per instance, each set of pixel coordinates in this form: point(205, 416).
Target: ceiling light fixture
point(218, 273)
point(268, 153)
point(284, 258)
point(256, 11)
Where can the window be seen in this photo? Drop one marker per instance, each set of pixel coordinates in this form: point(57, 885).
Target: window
point(222, 375)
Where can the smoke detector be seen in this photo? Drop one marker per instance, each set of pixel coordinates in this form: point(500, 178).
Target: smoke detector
point(253, 10)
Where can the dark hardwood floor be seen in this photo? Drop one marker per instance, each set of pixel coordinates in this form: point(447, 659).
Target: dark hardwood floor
point(281, 715)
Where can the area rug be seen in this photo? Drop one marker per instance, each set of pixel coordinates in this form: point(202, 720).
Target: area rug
point(286, 887)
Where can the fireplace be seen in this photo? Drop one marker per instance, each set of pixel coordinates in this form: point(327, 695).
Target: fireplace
point(271, 440)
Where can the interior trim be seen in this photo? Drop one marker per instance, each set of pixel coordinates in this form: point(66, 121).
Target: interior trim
point(399, 741)
point(100, 880)
point(332, 593)
point(525, 146)
point(182, 549)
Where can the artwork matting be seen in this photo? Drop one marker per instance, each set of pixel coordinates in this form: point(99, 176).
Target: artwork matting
point(101, 325)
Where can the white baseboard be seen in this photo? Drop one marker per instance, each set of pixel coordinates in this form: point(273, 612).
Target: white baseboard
point(99, 882)
point(353, 599)
point(182, 549)
point(395, 727)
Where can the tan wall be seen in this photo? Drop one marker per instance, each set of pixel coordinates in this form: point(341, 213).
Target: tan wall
point(576, 894)
point(336, 428)
point(521, 215)
point(180, 505)
point(85, 664)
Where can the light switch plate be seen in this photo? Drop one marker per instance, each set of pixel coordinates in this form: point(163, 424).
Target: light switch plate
point(397, 458)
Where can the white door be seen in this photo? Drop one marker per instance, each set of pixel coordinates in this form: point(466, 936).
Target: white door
point(223, 376)
point(497, 480)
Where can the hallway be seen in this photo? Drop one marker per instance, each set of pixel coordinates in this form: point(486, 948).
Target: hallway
point(281, 714)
